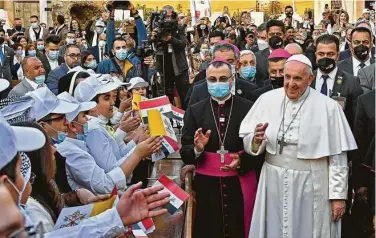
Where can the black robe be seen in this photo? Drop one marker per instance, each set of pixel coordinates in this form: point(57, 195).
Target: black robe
point(219, 200)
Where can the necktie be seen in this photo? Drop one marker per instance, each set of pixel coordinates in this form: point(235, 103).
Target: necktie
point(324, 87)
point(101, 49)
point(362, 65)
point(2, 55)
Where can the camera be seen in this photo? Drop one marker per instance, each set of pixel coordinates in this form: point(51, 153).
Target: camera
point(165, 24)
point(118, 4)
point(145, 50)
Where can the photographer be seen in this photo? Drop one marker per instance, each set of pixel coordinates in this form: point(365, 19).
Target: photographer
point(170, 42)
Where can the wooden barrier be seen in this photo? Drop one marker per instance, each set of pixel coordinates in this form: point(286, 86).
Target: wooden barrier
point(188, 224)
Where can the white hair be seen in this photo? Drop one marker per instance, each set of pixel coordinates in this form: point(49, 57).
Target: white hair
point(248, 52)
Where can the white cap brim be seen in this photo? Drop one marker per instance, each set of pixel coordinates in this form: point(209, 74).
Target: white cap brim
point(4, 84)
point(108, 88)
point(65, 107)
point(28, 139)
point(84, 106)
point(139, 85)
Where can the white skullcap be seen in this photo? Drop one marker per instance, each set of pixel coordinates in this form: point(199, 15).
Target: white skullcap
point(300, 58)
point(4, 84)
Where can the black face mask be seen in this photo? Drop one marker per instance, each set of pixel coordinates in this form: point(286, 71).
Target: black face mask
point(361, 52)
point(277, 82)
point(18, 28)
point(276, 42)
point(2, 39)
point(326, 65)
point(288, 14)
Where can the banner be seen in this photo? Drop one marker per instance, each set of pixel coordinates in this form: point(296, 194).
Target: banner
point(199, 9)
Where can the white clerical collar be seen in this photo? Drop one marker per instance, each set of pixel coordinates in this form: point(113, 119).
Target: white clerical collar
point(332, 75)
point(356, 62)
point(222, 101)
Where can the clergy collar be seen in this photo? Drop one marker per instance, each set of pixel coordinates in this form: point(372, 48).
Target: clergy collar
point(223, 101)
point(304, 96)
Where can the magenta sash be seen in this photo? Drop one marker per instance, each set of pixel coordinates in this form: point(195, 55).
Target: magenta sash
point(210, 166)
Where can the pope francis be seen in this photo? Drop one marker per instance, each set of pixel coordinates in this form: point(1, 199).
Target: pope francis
point(303, 182)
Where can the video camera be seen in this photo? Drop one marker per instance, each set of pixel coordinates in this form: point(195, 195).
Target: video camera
point(145, 50)
point(117, 4)
point(165, 24)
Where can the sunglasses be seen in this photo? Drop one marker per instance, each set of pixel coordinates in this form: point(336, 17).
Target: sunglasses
point(55, 118)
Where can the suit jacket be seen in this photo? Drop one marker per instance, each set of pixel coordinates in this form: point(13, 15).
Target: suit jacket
point(21, 89)
point(44, 36)
point(63, 32)
point(95, 51)
point(367, 78)
point(5, 69)
point(63, 48)
point(200, 91)
point(347, 65)
point(262, 71)
point(347, 54)
point(258, 92)
point(54, 76)
point(46, 63)
point(346, 85)
point(364, 133)
point(310, 52)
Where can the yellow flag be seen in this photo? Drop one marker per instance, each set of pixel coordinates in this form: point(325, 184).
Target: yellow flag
point(135, 101)
point(155, 122)
point(100, 207)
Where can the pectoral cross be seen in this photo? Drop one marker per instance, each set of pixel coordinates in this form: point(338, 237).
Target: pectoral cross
point(281, 143)
point(222, 152)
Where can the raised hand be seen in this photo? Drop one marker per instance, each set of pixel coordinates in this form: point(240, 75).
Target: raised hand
point(136, 205)
point(201, 140)
point(260, 132)
point(129, 123)
point(125, 104)
point(151, 145)
point(233, 165)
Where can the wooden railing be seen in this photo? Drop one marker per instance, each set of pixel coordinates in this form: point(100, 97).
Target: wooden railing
point(188, 219)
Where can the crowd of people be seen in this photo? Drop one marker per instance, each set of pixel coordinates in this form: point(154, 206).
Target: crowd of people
point(279, 122)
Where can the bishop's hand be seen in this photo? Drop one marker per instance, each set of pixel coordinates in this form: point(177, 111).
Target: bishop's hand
point(201, 139)
point(233, 165)
point(260, 133)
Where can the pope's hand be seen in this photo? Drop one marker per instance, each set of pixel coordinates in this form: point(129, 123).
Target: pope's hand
point(136, 205)
point(260, 133)
point(338, 209)
point(233, 165)
point(201, 140)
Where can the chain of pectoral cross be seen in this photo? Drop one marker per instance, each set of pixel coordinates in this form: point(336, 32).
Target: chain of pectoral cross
point(222, 150)
point(282, 142)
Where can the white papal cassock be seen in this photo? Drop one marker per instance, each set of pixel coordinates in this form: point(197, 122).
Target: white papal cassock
point(295, 187)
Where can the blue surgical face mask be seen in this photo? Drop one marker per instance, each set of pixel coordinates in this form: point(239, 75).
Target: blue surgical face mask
point(19, 52)
point(32, 53)
point(40, 79)
point(92, 64)
point(60, 135)
point(248, 72)
point(85, 128)
point(219, 89)
point(40, 47)
point(34, 25)
point(121, 54)
point(53, 55)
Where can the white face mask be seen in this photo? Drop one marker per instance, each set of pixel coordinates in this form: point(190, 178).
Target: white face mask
point(262, 44)
point(17, 191)
point(102, 118)
point(102, 43)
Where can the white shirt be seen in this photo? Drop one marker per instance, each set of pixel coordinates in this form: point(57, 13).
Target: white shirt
point(32, 83)
point(37, 213)
point(100, 55)
point(53, 63)
point(84, 172)
point(356, 65)
point(329, 82)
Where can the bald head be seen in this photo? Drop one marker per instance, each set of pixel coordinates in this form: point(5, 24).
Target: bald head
point(102, 36)
point(294, 49)
point(32, 67)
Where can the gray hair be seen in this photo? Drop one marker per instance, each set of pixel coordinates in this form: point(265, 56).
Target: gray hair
point(225, 47)
point(248, 52)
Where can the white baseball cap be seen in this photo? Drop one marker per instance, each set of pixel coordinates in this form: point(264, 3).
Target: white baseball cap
point(300, 58)
point(94, 85)
point(100, 23)
point(46, 103)
point(137, 82)
point(4, 84)
point(14, 139)
point(366, 10)
point(82, 107)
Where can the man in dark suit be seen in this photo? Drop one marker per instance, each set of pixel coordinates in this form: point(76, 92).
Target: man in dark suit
point(242, 87)
point(364, 166)
point(51, 59)
point(367, 78)
point(361, 43)
point(35, 31)
point(18, 30)
point(6, 58)
point(72, 59)
point(100, 50)
point(273, 28)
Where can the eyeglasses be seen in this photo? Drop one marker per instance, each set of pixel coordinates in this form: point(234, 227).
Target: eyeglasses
point(55, 118)
point(32, 178)
point(73, 56)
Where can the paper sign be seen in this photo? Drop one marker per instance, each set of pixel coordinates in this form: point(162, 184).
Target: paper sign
point(135, 102)
point(155, 122)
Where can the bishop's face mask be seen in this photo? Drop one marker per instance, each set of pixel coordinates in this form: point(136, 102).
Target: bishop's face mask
point(326, 65)
point(219, 89)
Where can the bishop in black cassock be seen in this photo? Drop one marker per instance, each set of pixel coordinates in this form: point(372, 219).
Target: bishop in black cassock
point(220, 196)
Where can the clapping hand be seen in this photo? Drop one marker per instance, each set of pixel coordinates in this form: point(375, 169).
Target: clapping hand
point(136, 205)
point(233, 165)
point(129, 123)
point(125, 104)
point(260, 133)
point(200, 140)
point(152, 145)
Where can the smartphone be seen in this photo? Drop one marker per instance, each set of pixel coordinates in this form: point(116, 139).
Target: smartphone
point(326, 6)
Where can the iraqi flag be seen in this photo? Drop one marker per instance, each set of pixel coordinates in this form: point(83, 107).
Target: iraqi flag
point(177, 113)
point(162, 104)
point(177, 195)
point(169, 146)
